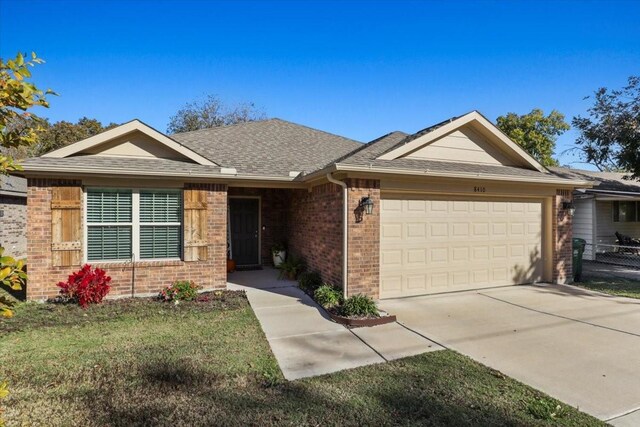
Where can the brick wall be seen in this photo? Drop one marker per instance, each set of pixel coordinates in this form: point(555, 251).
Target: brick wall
point(315, 229)
point(13, 218)
point(562, 239)
point(274, 216)
point(364, 239)
point(141, 278)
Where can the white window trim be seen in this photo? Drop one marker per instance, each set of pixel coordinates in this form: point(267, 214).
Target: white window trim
point(135, 226)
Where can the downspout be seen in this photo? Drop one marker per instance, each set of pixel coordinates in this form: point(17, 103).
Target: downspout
point(345, 228)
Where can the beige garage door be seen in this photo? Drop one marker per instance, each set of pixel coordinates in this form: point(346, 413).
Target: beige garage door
point(431, 245)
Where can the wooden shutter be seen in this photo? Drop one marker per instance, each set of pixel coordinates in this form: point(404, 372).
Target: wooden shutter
point(195, 225)
point(66, 226)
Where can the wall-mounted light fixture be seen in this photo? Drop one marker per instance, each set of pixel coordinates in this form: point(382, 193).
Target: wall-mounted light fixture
point(568, 206)
point(366, 204)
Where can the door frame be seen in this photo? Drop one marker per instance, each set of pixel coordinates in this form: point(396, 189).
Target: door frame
point(259, 198)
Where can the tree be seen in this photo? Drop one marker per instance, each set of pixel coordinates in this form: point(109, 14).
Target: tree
point(18, 128)
point(62, 133)
point(535, 132)
point(50, 137)
point(610, 137)
point(212, 113)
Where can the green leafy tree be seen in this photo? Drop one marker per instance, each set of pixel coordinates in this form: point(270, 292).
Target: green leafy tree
point(18, 126)
point(212, 113)
point(62, 133)
point(610, 137)
point(535, 132)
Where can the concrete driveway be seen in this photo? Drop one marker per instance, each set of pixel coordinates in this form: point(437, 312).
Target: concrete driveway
point(579, 346)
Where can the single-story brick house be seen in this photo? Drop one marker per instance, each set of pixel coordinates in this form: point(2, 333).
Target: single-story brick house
point(13, 215)
point(455, 206)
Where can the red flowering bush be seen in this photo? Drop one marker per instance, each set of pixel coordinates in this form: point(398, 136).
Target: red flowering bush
point(87, 286)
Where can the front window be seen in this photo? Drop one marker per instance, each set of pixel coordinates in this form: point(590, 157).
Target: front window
point(625, 212)
point(141, 224)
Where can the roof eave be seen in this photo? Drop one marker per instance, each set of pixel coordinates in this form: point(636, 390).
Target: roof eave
point(613, 192)
point(47, 171)
point(546, 180)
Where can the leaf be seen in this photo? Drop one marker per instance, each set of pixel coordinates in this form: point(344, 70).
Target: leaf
point(4, 389)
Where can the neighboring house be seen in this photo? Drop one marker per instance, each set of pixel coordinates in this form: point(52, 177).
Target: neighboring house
point(13, 215)
point(611, 205)
point(455, 206)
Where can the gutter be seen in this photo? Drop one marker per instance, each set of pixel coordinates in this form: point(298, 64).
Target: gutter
point(614, 192)
point(345, 229)
point(47, 171)
point(427, 172)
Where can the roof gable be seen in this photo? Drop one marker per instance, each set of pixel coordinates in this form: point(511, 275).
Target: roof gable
point(133, 139)
point(467, 139)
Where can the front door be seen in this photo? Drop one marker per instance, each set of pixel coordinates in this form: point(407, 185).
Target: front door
point(244, 223)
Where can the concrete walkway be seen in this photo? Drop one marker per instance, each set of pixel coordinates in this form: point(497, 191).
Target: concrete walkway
point(306, 342)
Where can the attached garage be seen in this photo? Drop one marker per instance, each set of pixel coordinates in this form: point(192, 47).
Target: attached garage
point(432, 244)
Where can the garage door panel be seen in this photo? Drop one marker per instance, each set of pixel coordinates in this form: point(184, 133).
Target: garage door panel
point(439, 255)
point(431, 246)
point(438, 229)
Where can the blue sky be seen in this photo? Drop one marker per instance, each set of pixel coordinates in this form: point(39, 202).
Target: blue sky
point(358, 69)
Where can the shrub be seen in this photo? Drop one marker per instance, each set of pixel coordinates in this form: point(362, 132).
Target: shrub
point(12, 275)
point(359, 306)
point(310, 281)
point(182, 290)
point(328, 296)
point(291, 267)
point(87, 286)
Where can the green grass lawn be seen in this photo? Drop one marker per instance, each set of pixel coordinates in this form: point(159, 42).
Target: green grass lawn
point(143, 362)
point(613, 286)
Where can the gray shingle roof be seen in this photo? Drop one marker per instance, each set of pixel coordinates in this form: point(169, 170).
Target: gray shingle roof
point(607, 181)
point(409, 138)
point(13, 186)
point(373, 149)
point(268, 147)
point(275, 148)
point(122, 165)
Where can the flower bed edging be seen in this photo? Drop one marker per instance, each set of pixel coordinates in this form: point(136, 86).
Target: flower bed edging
point(373, 321)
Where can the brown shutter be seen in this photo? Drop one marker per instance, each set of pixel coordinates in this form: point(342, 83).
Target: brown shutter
point(195, 225)
point(66, 226)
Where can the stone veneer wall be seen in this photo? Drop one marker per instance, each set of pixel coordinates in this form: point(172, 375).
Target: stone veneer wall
point(138, 279)
point(13, 225)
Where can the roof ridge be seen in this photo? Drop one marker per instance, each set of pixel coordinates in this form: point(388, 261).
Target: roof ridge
point(248, 122)
point(316, 130)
